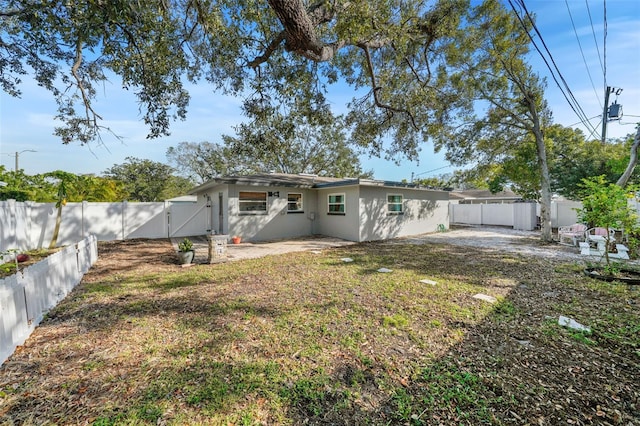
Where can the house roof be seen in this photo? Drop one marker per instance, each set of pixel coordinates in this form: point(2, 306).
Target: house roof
point(296, 181)
point(184, 199)
point(483, 194)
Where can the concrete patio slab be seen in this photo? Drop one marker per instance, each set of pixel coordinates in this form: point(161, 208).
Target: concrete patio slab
point(247, 250)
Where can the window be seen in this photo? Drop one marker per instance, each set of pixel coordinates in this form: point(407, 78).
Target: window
point(294, 203)
point(252, 202)
point(336, 204)
point(394, 204)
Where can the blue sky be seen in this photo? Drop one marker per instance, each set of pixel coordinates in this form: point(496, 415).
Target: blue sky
point(27, 123)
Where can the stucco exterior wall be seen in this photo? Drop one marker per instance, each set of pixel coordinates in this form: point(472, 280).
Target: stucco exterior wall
point(219, 225)
point(276, 222)
point(423, 211)
point(339, 226)
point(366, 216)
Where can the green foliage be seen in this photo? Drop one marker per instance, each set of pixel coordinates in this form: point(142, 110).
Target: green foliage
point(490, 75)
point(45, 188)
point(146, 180)
point(606, 205)
point(446, 389)
point(10, 267)
point(438, 182)
point(202, 161)
point(395, 320)
point(185, 245)
point(398, 53)
point(276, 142)
point(574, 159)
point(294, 142)
point(22, 187)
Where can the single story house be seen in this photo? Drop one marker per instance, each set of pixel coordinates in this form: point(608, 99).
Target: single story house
point(272, 206)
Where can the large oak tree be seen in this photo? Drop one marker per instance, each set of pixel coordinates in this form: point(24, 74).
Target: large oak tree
point(263, 51)
point(412, 62)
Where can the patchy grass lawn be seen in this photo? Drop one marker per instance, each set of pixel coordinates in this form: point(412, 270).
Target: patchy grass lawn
point(307, 338)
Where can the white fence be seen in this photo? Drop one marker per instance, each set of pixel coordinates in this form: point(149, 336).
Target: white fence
point(518, 215)
point(30, 225)
point(26, 296)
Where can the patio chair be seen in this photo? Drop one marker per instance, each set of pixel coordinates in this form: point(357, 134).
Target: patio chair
point(574, 233)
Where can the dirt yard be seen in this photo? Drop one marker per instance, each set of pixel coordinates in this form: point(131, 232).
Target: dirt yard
point(307, 339)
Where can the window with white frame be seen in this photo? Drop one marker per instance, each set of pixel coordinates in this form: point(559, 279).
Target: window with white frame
point(336, 204)
point(394, 204)
point(294, 202)
point(252, 202)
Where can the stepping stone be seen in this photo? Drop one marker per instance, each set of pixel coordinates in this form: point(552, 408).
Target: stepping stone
point(485, 297)
point(384, 270)
point(573, 324)
point(430, 282)
point(347, 259)
point(316, 252)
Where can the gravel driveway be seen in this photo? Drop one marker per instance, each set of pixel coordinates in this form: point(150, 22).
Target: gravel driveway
point(500, 239)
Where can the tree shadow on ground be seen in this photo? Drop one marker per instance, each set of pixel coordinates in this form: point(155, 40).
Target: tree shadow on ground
point(303, 338)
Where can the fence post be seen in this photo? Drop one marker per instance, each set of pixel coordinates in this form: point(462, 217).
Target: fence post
point(167, 215)
point(124, 219)
point(13, 224)
point(83, 210)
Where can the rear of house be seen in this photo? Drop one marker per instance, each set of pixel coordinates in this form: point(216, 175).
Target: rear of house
point(277, 206)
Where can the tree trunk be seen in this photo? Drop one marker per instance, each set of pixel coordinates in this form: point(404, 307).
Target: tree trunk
point(545, 191)
point(633, 160)
point(545, 181)
point(56, 230)
point(300, 29)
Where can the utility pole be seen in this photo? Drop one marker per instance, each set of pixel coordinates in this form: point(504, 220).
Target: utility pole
point(18, 154)
point(605, 114)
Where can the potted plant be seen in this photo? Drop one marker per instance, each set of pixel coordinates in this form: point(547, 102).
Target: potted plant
point(236, 239)
point(186, 251)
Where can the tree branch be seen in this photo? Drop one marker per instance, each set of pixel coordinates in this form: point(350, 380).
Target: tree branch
point(89, 111)
point(377, 88)
point(10, 13)
point(273, 45)
point(299, 28)
point(633, 160)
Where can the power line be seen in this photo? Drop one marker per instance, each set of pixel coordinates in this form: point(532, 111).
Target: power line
point(575, 103)
point(580, 122)
point(595, 40)
point(604, 44)
point(566, 2)
point(570, 98)
point(429, 171)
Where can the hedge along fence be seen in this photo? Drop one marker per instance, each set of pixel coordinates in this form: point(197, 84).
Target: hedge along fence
point(28, 295)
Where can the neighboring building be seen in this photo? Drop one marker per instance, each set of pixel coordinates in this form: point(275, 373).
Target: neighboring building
point(276, 206)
